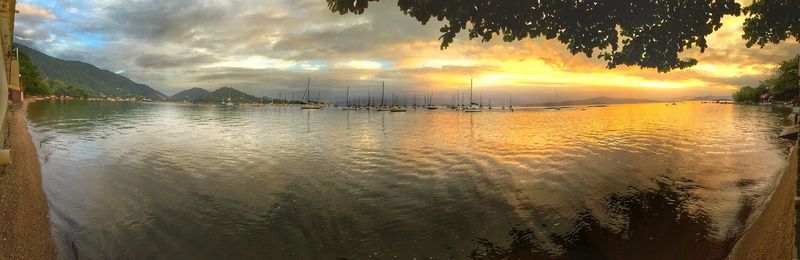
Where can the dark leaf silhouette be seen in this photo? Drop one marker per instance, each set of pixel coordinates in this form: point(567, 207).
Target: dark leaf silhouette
point(644, 33)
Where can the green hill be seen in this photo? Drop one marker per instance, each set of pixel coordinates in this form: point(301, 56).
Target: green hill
point(216, 96)
point(80, 75)
point(191, 94)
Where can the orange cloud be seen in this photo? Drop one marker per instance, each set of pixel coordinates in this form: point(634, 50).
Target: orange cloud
point(34, 11)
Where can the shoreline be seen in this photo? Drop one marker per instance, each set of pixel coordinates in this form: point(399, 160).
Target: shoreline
point(771, 234)
point(24, 218)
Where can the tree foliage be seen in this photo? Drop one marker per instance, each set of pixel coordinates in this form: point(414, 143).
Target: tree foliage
point(749, 94)
point(37, 85)
point(32, 81)
point(771, 21)
point(644, 33)
point(784, 83)
point(61, 88)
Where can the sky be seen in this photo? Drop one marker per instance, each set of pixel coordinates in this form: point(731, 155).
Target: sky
point(267, 47)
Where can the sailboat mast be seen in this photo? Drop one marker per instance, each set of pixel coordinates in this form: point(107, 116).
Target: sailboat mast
point(383, 93)
point(348, 96)
point(307, 93)
point(457, 95)
point(470, 92)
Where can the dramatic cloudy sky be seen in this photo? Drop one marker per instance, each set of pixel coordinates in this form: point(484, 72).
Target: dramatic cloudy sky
point(267, 46)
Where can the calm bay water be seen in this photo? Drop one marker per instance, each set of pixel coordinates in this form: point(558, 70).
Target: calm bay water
point(134, 180)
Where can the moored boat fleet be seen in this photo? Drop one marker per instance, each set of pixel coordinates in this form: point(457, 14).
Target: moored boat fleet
point(395, 106)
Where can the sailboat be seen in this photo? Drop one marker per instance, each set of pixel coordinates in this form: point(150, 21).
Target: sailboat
point(281, 102)
point(455, 101)
point(229, 103)
point(383, 106)
point(556, 107)
point(510, 107)
point(395, 106)
point(430, 101)
point(473, 107)
point(348, 106)
point(369, 101)
point(307, 98)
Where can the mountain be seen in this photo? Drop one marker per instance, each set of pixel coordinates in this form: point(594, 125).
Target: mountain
point(190, 94)
point(83, 75)
point(603, 100)
point(708, 98)
point(216, 96)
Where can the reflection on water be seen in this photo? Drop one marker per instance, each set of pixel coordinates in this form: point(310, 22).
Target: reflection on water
point(648, 225)
point(130, 180)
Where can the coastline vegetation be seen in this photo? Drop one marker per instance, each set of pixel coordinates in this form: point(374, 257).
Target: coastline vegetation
point(782, 86)
point(37, 85)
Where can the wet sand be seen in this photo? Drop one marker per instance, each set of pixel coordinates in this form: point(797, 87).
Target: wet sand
point(24, 220)
point(771, 235)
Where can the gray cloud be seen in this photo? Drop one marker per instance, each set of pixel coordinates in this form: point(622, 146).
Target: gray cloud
point(160, 61)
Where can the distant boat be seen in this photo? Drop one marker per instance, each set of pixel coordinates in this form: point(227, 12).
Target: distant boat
point(229, 103)
point(347, 105)
point(383, 106)
point(398, 109)
point(307, 98)
point(431, 106)
point(597, 105)
point(473, 107)
point(281, 102)
point(557, 106)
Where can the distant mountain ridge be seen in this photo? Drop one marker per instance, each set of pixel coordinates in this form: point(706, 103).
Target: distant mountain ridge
point(190, 94)
point(221, 94)
point(97, 81)
point(708, 98)
point(601, 101)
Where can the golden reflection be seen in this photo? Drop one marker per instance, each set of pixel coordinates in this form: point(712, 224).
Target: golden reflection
point(565, 160)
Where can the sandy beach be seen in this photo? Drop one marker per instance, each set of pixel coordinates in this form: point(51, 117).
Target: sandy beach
point(24, 219)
